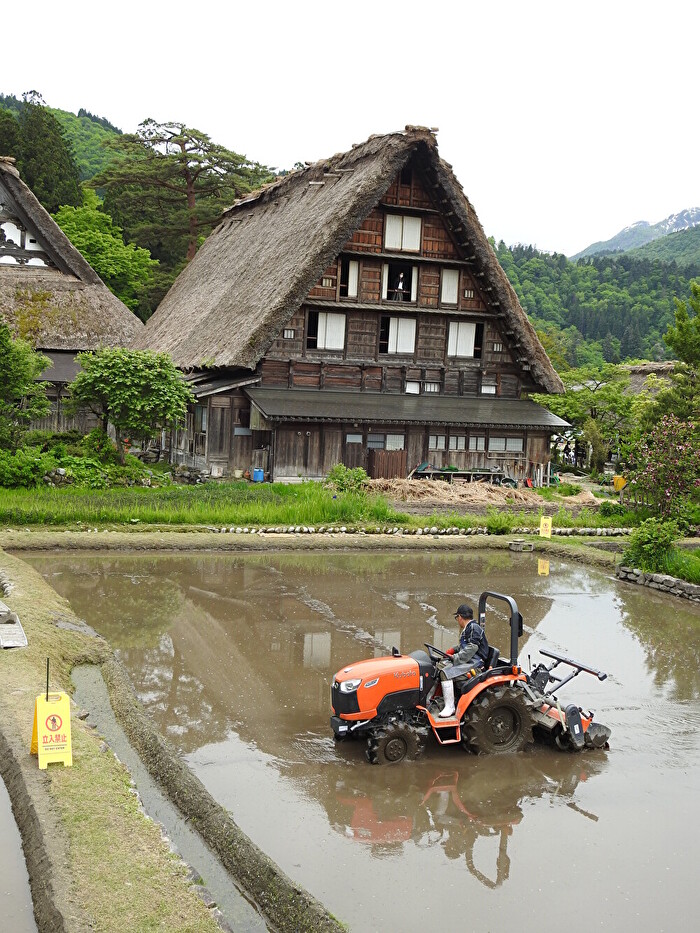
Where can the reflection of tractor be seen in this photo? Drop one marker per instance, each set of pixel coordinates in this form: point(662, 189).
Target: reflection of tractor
point(394, 702)
point(470, 816)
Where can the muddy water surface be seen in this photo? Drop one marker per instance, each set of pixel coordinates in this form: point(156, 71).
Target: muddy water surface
point(233, 656)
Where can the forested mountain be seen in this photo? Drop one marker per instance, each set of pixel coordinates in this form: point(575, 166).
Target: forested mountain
point(85, 133)
point(682, 248)
point(642, 232)
point(608, 308)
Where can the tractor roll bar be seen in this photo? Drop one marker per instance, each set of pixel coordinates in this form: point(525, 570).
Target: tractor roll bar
point(516, 620)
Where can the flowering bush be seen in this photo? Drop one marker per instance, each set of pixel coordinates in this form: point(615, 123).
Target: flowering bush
point(665, 465)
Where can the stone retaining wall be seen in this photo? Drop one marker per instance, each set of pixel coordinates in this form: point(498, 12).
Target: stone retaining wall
point(660, 581)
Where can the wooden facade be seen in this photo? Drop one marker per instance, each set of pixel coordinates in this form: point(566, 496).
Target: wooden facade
point(407, 347)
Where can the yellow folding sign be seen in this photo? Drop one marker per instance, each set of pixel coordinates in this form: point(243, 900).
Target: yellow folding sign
point(545, 527)
point(51, 738)
point(542, 567)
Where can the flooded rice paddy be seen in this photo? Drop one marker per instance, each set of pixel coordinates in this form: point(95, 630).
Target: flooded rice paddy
point(233, 656)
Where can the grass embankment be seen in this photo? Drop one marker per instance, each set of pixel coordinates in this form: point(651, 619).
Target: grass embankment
point(96, 862)
point(260, 504)
point(209, 504)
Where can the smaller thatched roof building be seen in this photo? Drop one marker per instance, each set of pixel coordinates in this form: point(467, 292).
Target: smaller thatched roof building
point(49, 294)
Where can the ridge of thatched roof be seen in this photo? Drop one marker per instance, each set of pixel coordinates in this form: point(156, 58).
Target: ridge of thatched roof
point(63, 306)
point(258, 266)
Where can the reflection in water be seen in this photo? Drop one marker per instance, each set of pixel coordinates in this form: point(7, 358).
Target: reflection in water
point(233, 656)
point(460, 807)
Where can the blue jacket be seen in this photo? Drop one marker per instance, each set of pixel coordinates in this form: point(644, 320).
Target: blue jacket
point(472, 634)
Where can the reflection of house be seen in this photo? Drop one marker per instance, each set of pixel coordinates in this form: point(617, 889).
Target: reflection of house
point(49, 295)
point(355, 312)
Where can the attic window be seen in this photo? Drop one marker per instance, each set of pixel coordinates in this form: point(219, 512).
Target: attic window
point(449, 286)
point(406, 175)
point(469, 293)
point(289, 333)
point(402, 232)
point(498, 347)
point(326, 282)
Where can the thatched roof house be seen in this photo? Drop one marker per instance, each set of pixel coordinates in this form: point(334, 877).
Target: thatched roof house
point(49, 294)
point(352, 310)
point(258, 266)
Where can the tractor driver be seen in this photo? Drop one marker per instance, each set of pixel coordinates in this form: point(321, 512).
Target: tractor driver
point(469, 655)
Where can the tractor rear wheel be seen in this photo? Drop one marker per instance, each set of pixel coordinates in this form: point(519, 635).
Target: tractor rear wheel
point(497, 722)
point(392, 743)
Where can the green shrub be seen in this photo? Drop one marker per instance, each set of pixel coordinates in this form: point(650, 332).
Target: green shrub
point(99, 445)
point(346, 479)
point(650, 545)
point(24, 468)
point(499, 523)
point(610, 509)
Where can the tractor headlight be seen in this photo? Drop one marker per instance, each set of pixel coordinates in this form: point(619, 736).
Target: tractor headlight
point(349, 686)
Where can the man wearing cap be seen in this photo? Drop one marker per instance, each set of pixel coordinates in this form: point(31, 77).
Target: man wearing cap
point(469, 655)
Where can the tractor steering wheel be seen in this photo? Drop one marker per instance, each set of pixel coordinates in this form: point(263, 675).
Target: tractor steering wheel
point(432, 650)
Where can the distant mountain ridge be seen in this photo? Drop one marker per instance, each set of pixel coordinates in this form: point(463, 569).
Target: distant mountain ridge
point(642, 232)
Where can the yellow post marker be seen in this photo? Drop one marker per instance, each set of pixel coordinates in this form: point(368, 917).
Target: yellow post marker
point(542, 567)
point(51, 730)
point(619, 483)
point(545, 527)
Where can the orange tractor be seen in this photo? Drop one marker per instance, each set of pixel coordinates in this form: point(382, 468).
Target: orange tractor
point(394, 702)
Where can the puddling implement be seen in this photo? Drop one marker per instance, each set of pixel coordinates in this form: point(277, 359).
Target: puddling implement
point(394, 703)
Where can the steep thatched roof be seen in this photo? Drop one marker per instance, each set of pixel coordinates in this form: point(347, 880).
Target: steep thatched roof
point(258, 266)
point(59, 303)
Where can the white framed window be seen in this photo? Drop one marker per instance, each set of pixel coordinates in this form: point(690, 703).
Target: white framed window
point(402, 232)
point(436, 441)
point(514, 444)
point(468, 293)
point(461, 338)
point(394, 442)
point(349, 278)
point(497, 347)
point(449, 286)
point(397, 334)
point(431, 386)
point(353, 438)
point(488, 387)
point(289, 333)
point(326, 331)
point(477, 442)
point(412, 387)
point(375, 441)
point(458, 442)
point(497, 444)
point(327, 282)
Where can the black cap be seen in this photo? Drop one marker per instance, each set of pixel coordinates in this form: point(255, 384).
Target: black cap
point(465, 611)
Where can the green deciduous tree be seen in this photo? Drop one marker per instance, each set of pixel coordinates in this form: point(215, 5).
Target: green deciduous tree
point(597, 404)
point(126, 269)
point(168, 185)
point(683, 337)
point(22, 397)
point(137, 391)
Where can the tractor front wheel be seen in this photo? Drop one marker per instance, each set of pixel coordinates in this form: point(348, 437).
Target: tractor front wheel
point(393, 742)
point(497, 722)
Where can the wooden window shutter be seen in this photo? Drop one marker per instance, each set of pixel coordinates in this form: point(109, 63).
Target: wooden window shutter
point(393, 231)
point(411, 234)
point(449, 286)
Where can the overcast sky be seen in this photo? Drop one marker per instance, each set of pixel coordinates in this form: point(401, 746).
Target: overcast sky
point(563, 121)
